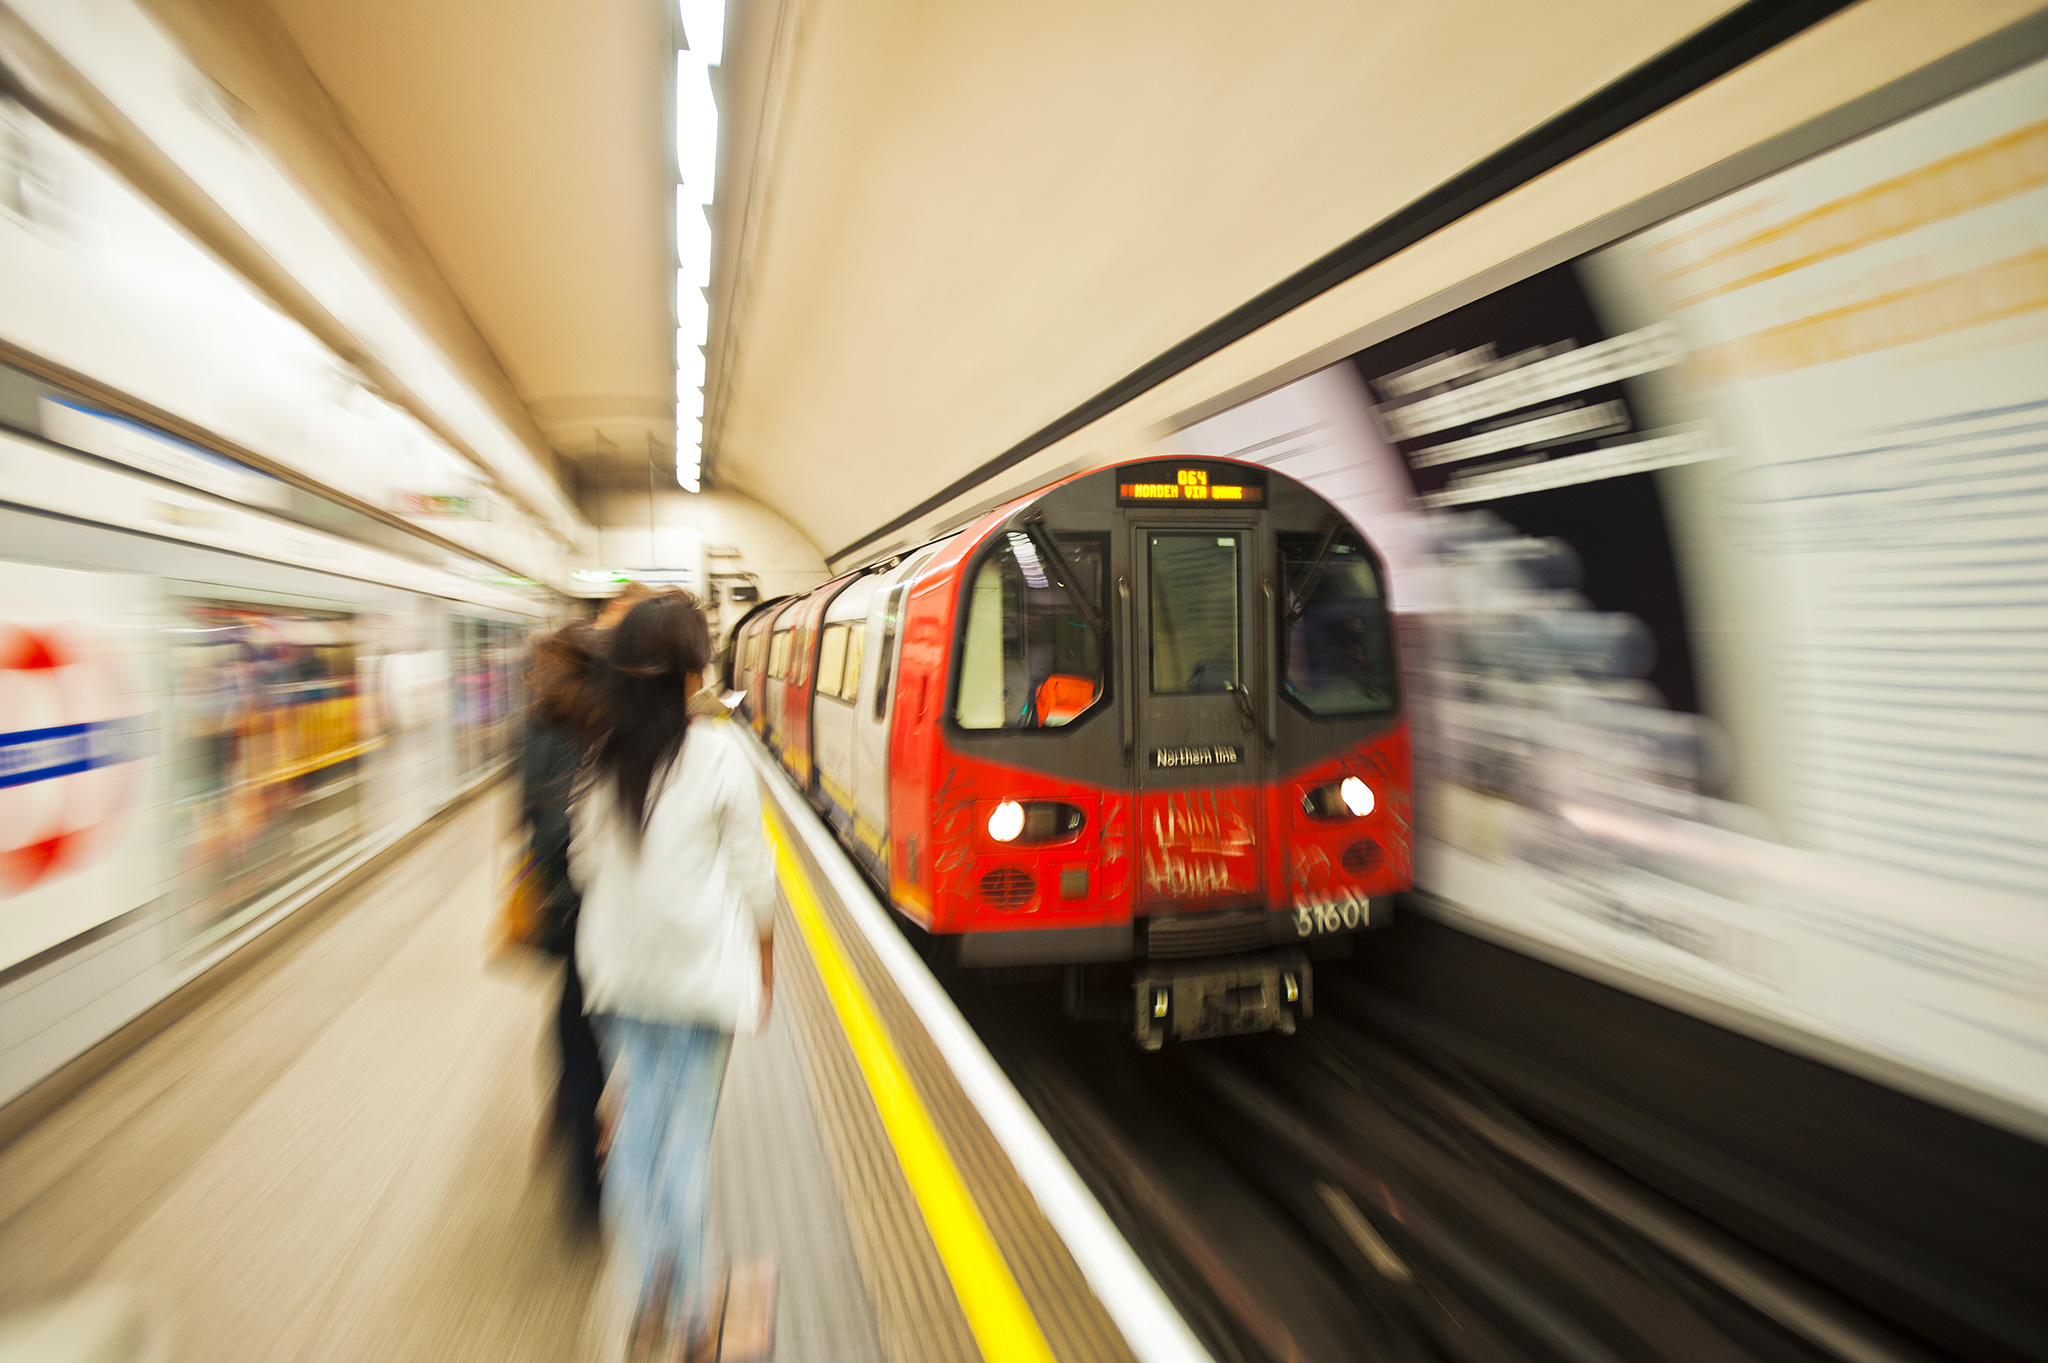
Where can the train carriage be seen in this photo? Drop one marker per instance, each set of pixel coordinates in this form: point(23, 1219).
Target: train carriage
point(805, 619)
point(743, 662)
point(1145, 723)
point(778, 632)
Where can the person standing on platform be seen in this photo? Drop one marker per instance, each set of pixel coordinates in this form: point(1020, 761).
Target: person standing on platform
point(559, 717)
point(675, 944)
point(547, 769)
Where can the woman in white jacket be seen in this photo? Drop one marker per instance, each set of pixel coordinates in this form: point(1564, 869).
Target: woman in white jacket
point(675, 940)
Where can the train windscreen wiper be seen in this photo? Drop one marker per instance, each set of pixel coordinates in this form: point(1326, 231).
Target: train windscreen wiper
point(1049, 552)
point(1297, 601)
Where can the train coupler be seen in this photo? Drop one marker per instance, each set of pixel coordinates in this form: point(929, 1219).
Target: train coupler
point(1220, 996)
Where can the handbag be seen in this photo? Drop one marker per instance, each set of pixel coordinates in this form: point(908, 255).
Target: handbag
point(522, 907)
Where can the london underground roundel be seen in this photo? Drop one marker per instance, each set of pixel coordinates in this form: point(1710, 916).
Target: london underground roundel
point(69, 741)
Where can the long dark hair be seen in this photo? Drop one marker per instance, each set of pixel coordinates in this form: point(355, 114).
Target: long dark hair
point(639, 696)
point(558, 679)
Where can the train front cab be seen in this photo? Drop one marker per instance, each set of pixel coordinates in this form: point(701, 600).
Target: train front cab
point(1171, 734)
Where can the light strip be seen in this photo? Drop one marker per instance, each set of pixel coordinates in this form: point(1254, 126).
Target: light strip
point(696, 129)
point(693, 238)
point(704, 29)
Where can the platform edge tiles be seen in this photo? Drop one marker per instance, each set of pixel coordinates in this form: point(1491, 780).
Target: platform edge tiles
point(1003, 1236)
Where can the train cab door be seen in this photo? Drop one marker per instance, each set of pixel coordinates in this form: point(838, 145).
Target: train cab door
point(1196, 654)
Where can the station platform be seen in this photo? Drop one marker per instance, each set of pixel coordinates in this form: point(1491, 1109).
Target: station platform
point(338, 1154)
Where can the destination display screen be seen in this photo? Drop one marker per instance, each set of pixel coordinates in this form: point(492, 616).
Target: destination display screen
point(1190, 483)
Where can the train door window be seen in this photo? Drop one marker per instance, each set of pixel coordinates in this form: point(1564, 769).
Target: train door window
point(856, 642)
point(1029, 659)
point(831, 660)
point(778, 654)
point(892, 611)
point(1195, 634)
point(1336, 645)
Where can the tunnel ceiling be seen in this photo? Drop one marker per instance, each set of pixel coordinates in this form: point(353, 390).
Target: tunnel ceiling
point(528, 145)
point(938, 227)
point(973, 217)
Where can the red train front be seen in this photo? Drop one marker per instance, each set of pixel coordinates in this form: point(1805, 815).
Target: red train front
point(1146, 723)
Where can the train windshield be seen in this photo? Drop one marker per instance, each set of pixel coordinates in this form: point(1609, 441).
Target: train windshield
point(1029, 659)
point(1336, 650)
point(1194, 613)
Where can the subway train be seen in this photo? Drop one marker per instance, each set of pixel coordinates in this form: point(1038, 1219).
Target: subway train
point(1145, 723)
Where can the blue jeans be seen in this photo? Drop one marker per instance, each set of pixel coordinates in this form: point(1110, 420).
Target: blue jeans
point(655, 1180)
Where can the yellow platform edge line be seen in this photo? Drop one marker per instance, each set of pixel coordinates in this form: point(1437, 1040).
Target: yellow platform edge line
point(1002, 1322)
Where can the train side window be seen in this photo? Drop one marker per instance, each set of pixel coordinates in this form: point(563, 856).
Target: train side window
point(856, 644)
point(1194, 614)
point(885, 665)
point(1336, 644)
point(831, 660)
point(1028, 659)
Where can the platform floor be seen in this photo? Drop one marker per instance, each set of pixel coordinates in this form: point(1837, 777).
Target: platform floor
point(336, 1157)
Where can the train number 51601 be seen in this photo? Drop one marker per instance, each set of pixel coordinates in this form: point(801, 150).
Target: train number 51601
point(1344, 911)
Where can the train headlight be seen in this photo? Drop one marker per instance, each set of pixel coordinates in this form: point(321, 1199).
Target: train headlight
point(1349, 798)
point(1029, 822)
point(1006, 822)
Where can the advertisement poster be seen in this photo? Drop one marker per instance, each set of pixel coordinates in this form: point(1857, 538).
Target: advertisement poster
point(269, 750)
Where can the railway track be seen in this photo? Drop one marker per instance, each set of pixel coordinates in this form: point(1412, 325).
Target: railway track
point(1382, 1187)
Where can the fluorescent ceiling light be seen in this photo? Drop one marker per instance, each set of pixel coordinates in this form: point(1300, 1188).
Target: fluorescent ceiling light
point(697, 169)
point(696, 129)
point(693, 237)
point(693, 314)
point(704, 29)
